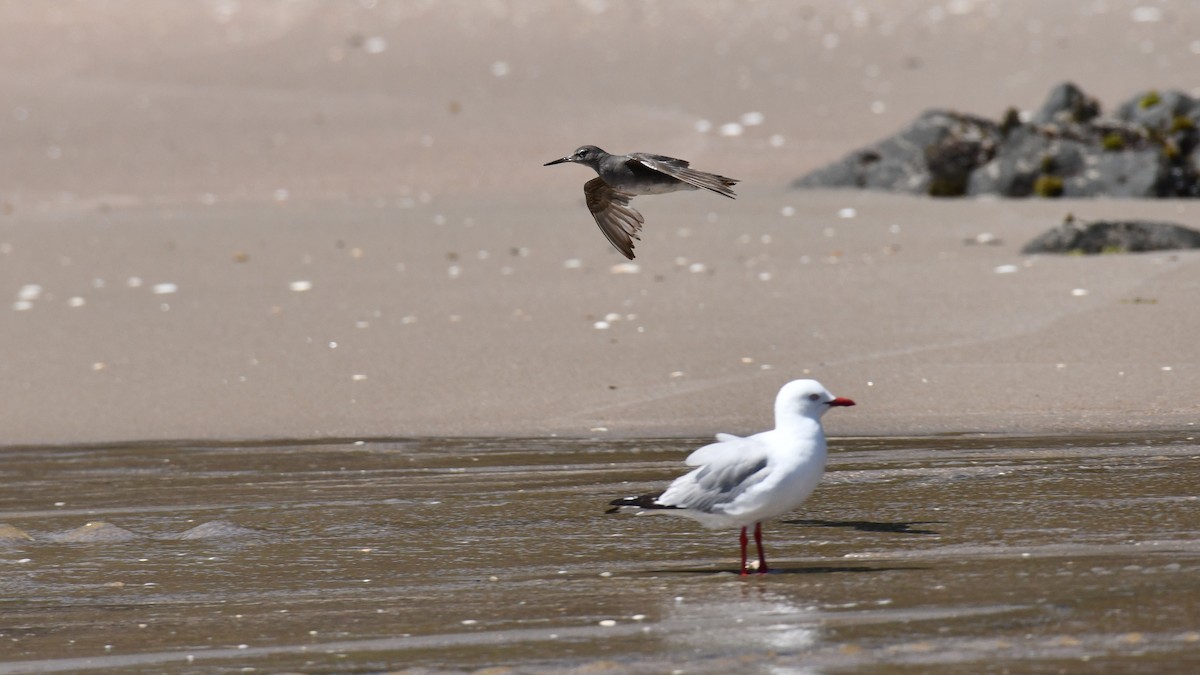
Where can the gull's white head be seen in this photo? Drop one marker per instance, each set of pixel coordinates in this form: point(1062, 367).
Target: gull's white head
point(806, 398)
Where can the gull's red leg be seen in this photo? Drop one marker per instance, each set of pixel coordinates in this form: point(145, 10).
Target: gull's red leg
point(762, 557)
point(745, 541)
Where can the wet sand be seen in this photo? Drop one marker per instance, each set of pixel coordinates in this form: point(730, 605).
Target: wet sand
point(947, 555)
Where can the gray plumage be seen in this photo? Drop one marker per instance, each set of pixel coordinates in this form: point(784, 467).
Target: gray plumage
point(717, 486)
point(622, 177)
point(738, 482)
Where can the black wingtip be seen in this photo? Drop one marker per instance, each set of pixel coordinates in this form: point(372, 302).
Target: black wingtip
point(639, 502)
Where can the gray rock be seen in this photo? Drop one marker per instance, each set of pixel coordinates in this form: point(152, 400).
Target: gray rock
point(1183, 179)
point(1151, 149)
point(1133, 173)
point(899, 163)
point(1016, 165)
point(1153, 110)
point(1066, 103)
point(1121, 236)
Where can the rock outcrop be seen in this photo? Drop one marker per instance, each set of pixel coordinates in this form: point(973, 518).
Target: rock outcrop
point(1113, 236)
point(1150, 147)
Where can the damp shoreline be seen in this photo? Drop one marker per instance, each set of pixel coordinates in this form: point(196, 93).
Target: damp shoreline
point(460, 554)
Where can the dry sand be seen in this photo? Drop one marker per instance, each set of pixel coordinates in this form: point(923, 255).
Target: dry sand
point(306, 219)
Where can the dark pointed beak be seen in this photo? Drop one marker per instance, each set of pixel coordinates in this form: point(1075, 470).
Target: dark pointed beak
point(841, 402)
point(558, 161)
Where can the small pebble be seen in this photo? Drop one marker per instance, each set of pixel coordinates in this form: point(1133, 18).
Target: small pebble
point(752, 119)
point(375, 45)
point(731, 129)
point(1146, 14)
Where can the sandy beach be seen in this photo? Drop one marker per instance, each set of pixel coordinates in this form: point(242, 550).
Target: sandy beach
point(311, 220)
point(308, 364)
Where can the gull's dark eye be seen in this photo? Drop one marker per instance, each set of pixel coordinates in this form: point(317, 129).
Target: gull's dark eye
point(814, 397)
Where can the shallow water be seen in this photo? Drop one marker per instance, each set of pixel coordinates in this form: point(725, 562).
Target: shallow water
point(952, 554)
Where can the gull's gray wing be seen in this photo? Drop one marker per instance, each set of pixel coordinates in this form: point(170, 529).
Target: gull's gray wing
point(617, 220)
point(713, 486)
point(726, 470)
point(680, 170)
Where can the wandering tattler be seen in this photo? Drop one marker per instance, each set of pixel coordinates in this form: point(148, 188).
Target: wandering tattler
point(622, 177)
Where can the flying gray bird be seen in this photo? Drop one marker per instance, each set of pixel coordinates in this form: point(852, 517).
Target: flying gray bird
point(622, 177)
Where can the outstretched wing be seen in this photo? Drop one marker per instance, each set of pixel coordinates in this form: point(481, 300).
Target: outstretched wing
point(617, 220)
point(680, 170)
point(647, 158)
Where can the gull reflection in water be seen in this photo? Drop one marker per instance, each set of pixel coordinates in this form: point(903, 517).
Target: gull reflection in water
point(744, 621)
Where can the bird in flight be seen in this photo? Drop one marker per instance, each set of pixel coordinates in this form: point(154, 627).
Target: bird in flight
point(623, 177)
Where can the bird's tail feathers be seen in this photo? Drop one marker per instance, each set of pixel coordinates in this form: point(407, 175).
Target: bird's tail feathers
point(639, 503)
point(709, 181)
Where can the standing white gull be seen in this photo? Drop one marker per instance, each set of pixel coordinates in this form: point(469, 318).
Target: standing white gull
point(740, 482)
